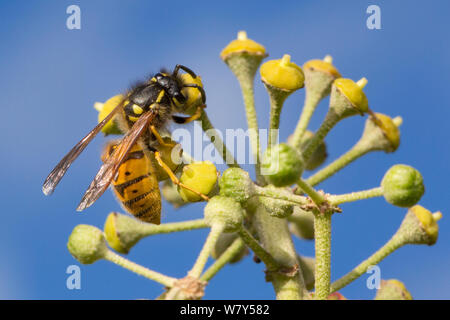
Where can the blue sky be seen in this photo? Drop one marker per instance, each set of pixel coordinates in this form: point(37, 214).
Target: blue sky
point(51, 76)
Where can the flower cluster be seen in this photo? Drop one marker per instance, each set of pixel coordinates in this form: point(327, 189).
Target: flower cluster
point(262, 215)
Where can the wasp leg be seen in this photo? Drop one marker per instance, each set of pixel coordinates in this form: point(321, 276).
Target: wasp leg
point(195, 116)
point(174, 178)
point(184, 68)
point(160, 139)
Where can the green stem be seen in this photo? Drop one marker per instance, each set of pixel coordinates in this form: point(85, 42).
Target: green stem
point(313, 194)
point(212, 133)
point(330, 121)
point(354, 196)
point(277, 98)
point(354, 153)
point(134, 267)
point(393, 244)
point(246, 84)
point(260, 252)
point(224, 258)
point(275, 237)
point(281, 194)
point(322, 232)
point(310, 105)
point(151, 229)
point(210, 242)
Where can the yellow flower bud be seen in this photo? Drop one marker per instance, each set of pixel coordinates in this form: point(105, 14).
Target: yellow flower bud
point(393, 290)
point(104, 109)
point(243, 45)
point(324, 66)
point(353, 92)
point(428, 222)
point(389, 128)
point(200, 176)
point(282, 74)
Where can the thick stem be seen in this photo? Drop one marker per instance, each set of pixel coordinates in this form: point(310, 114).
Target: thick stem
point(322, 232)
point(354, 196)
point(260, 252)
point(311, 102)
point(147, 273)
point(393, 244)
point(354, 153)
point(281, 195)
point(275, 237)
point(212, 133)
point(224, 258)
point(210, 242)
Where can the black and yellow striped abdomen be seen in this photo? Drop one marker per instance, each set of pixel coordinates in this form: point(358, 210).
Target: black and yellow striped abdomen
point(136, 185)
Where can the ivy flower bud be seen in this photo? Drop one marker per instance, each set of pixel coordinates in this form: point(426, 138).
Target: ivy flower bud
point(225, 240)
point(392, 290)
point(348, 98)
point(277, 208)
point(381, 133)
point(301, 224)
point(122, 232)
point(282, 75)
point(225, 212)
point(170, 193)
point(242, 45)
point(201, 177)
point(282, 165)
point(420, 226)
point(87, 244)
point(319, 75)
point(402, 186)
point(243, 56)
point(104, 109)
point(236, 183)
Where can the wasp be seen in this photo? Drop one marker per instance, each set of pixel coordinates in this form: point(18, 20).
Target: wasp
point(144, 110)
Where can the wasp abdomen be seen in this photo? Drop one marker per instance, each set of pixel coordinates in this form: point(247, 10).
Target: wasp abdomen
point(136, 187)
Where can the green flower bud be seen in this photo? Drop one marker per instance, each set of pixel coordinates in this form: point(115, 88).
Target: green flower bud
point(307, 265)
point(392, 290)
point(318, 157)
point(104, 109)
point(319, 75)
point(87, 244)
point(282, 74)
point(201, 177)
point(224, 211)
point(302, 224)
point(170, 193)
point(420, 226)
point(122, 232)
point(237, 184)
point(277, 208)
point(402, 186)
point(225, 240)
point(282, 165)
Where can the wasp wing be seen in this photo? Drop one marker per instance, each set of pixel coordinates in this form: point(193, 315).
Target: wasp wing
point(110, 167)
point(61, 168)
